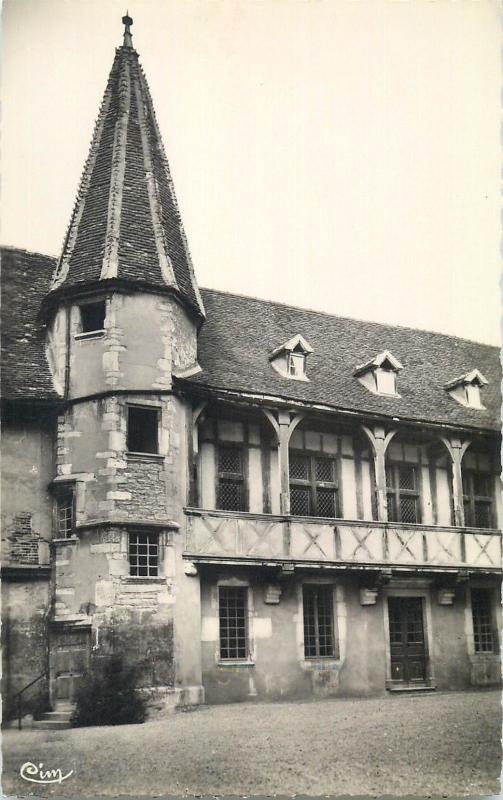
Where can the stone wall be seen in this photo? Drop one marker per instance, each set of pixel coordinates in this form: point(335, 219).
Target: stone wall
point(25, 609)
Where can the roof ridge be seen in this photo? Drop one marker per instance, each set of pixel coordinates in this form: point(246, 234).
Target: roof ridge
point(16, 249)
point(280, 304)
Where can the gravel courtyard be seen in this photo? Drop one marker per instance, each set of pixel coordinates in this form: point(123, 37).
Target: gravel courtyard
point(442, 743)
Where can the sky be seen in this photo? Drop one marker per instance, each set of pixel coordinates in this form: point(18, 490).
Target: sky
point(339, 155)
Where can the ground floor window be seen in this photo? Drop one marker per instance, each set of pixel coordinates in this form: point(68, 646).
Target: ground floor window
point(483, 634)
point(143, 555)
point(233, 611)
point(318, 620)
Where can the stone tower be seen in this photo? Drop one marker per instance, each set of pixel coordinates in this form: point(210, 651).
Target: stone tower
point(122, 316)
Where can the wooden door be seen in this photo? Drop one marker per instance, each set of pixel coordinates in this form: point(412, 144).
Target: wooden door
point(407, 645)
point(71, 663)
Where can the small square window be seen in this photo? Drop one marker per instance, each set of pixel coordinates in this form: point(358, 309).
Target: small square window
point(142, 430)
point(92, 317)
point(143, 555)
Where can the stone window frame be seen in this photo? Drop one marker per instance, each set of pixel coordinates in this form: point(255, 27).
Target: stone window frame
point(59, 489)
point(339, 617)
point(97, 333)
point(249, 661)
point(470, 628)
point(151, 535)
point(154, 409)
point(314, 587)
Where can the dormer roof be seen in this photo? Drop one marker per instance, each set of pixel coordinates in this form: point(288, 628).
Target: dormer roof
point(126, 227)
point(384, 360)
point(295, 343)
point(473, 377)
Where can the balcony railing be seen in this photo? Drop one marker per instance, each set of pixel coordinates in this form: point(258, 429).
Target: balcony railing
point(259, 538)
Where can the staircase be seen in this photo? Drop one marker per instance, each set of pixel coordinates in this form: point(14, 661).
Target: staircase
point(57, 720)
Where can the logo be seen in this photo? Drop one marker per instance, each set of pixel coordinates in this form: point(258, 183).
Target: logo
point(37, 774)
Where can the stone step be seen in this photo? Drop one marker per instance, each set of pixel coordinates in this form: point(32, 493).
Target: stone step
point(63, 716)
point(51, 725)
point(411, 689)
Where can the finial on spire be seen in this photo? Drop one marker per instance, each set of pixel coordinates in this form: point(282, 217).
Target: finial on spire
point(127, 22)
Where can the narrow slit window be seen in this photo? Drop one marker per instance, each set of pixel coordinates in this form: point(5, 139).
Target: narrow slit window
point(318, 621)
point(143, 555)
point(482, 621)
point(233, 611)
point(142, 430)
point(92, 317)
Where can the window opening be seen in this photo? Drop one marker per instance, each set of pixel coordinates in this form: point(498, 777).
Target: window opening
point(143, 555)
point(313, 485)
point(142, 430)
point(92, 316)
point(478, 499)
point(318, 621)
point(230, 494)
point(402, 493)
point(65, 512)
point(482, 621)
point(233, 602)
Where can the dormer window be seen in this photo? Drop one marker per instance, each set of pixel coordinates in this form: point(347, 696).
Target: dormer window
point(466, 389)
point(379, 374)
point(289, 360)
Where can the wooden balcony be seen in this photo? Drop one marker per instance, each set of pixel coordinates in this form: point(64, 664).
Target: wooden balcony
point(231, 537)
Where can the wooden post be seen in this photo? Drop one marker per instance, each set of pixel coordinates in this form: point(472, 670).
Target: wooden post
point(379, 441)
point(456, 449)
point(284, 424)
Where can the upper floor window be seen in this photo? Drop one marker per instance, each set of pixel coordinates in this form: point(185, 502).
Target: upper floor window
point(142, 429)
point(143, 555)
point(65, 511)
point(92, 317)
point(230, 478)
point(379, 374)
point(482, 617)
point(478, 498)
point(317, 601)
point(313, 485)
point(402, 493)
point(233, 622)
point(466, 389)
point(289, 360)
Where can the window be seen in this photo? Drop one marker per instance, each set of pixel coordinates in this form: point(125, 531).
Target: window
point(402, 493)
point(385, 381)
point(482, 620)
point(466, 389)
point(233, 611)
point(142, 430)
point(92, 317)
point(65, 504)
point(313, 485)
point(297, 365)
point(230, 490)
point(143, 555)
point(478, 499)
point(318, 621)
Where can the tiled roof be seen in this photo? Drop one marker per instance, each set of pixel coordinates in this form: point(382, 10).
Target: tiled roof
point(126, 224)
point(238, 337)
point(240, 333)
point(25, 280)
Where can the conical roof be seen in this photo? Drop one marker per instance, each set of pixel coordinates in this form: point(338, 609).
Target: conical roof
point(126, 227)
